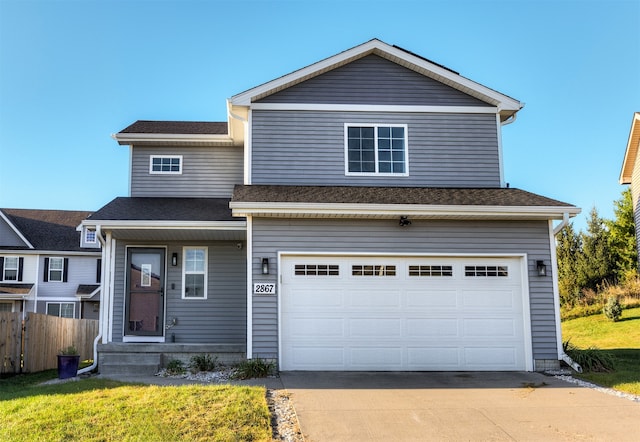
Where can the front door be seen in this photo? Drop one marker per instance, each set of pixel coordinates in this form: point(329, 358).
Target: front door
point(144, 307)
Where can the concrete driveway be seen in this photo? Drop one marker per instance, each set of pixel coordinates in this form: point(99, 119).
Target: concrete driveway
point(478, 406)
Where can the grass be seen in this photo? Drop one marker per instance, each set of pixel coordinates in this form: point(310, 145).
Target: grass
point(620, 339)
point(105, 410)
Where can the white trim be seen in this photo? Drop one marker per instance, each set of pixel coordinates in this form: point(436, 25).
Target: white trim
point(15, 230)
point(161, 172)
point(390, 211)
point(387, 108)
point(399, 56)
point(249, 339)
point(248, 150)
point(500, 154)
point(184, 272)
point(556, 290)
point(375, 127)
point(159, 339)
point(112, 277)
point(133, 138)
point(169, 225)
point(522, 257)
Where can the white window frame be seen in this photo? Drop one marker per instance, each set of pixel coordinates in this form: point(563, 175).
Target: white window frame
point(60, 304)
point(161, 172)
point(375, 127)
point(186, 272)
point(51, 269)
point(90, 236)
point(5, 268)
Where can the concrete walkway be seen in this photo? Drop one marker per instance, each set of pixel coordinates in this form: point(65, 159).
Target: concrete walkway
point(372, 406)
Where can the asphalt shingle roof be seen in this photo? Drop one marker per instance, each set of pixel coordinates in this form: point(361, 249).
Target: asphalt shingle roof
point(177, 127)
point(48, 229)
point(392, 195)
point(165, 209)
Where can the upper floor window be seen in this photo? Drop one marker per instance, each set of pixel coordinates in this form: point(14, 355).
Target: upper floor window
point(10, 269)
point(194, 273)
point(56, 269)
point(376, 149)
point(163, 164)
point(90, 236)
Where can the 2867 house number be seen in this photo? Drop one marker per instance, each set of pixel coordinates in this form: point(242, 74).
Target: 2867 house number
point(264, 288)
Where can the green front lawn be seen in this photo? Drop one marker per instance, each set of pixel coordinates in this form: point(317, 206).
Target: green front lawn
point(621, 339)
point(105, 410)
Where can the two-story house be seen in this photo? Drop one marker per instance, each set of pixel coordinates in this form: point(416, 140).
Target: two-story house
point(351, 215)
point(45, 264)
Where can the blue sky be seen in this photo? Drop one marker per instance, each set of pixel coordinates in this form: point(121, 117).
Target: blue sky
point(74, 72)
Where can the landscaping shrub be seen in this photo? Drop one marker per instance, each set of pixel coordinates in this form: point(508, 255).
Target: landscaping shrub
point(590, 359)
point(202, 363)
point(175, 366)
point(253, 368)
point(613, 309)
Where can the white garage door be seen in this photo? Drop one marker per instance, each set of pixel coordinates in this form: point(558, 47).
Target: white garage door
point(402, 313)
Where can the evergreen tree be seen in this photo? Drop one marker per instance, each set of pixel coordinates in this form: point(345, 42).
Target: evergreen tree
point(622, 236)
point(598, 263)
point(569, 254)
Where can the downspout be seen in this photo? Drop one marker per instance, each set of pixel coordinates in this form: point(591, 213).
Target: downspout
point(562, 355)
point(97, 339)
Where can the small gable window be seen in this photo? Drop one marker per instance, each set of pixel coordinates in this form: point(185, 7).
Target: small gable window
point(163, 164)
point(376, 149)
point(90, 236)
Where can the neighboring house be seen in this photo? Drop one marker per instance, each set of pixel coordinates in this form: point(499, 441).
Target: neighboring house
point(45, 265)
point(351, 215)
point(630, 173)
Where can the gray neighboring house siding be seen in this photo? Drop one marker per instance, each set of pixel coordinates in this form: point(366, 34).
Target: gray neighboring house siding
point(208, 172)
point(308, 148)
point(334, 235)
point(219, 319)
point(373, 80)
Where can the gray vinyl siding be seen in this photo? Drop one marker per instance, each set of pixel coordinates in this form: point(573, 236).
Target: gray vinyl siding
point(8, 236)
point(81, 270)
point(308, 148)
point(385, 236)
point(373, 80)
point(219, 319)
point(207, 172)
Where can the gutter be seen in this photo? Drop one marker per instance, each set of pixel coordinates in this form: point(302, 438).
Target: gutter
point(561, 354)
point(97, 339)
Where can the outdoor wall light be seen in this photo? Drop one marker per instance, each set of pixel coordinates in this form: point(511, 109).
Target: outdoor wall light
point(265, 266)
point(405, 221)
point(174, 259)
point(542, 268)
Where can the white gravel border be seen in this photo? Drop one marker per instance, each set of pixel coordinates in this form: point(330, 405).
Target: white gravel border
point(567, 378)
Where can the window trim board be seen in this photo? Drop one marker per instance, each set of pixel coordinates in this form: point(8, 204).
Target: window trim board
point(375, 126)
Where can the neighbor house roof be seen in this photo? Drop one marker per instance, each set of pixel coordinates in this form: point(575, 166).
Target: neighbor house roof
point(631, 153)
point(427, 202)
point(47, 229)
point(507, 106)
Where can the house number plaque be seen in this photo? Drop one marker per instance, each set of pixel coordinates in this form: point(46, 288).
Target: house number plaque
point(264, 288)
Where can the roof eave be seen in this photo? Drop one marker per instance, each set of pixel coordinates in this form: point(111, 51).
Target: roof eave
point(166, 225)
point(132, 138)
point(390, 211)
point(630, 154)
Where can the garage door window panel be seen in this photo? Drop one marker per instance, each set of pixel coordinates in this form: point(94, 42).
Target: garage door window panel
point(373, 270)
point(487, 271)
point(317, 270)
point(430, 270)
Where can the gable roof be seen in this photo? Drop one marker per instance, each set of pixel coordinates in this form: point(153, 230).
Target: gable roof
point(386, 202)
point(631, 153)
point(47, 229)
point(506, 105)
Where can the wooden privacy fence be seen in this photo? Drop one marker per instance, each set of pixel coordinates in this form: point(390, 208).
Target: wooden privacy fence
point(33, 345)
